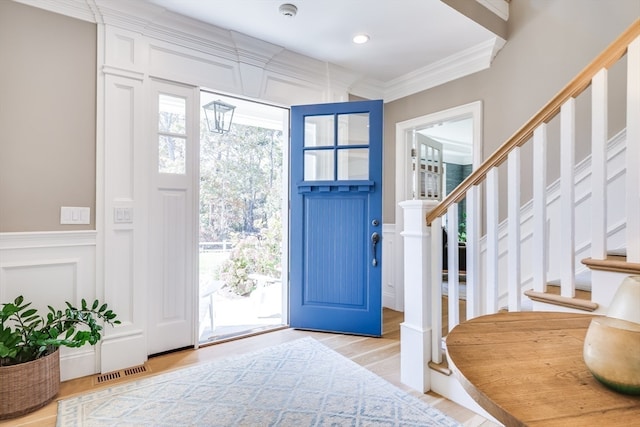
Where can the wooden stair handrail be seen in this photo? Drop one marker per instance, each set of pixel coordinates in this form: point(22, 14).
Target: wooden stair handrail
point(582, 81)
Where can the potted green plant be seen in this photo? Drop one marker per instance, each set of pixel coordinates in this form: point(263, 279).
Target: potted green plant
point(29, 343)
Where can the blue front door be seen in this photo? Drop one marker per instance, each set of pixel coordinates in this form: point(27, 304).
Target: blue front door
point(336, 217)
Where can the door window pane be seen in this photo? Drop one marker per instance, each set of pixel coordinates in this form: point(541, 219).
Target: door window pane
point(172, 114)
point(318, 131)
point(353, 164)
point(353, 129)
point(171, 154)
point(318, 165)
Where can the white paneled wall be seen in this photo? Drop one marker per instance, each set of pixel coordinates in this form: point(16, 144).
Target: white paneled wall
point(50, 269)
point(390, 296)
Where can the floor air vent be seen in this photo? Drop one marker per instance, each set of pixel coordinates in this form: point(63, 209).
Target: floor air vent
point(121, 374)
point(135, 370)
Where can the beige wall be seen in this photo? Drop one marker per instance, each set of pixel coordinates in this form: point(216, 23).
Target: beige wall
point(549, 42)
point(47, 117)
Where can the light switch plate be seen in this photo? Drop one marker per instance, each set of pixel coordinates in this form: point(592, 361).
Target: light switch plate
point(123, 215)
point(75, 215)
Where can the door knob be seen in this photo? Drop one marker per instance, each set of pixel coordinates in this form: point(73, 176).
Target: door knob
point(375, 238)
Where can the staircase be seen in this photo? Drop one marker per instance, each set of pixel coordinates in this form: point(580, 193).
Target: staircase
point(566, 249)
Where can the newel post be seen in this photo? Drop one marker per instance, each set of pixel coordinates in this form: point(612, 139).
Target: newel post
point(415, 331)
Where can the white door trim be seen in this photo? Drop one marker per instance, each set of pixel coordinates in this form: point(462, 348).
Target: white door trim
point(403, 171)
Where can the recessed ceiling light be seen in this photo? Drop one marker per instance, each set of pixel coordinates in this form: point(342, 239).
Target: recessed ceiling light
point(360, 38)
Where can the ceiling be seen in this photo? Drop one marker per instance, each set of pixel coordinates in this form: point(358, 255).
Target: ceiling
point(405, 35)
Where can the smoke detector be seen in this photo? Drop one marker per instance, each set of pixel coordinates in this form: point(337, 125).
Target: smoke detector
point(289, 10)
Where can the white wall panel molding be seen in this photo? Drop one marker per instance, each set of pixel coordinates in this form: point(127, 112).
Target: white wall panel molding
point(390, 296)
point(124, 50)
point(123, 161)
point(49, 269)
point(188, 66)
point(286, 91)
point(114, 71)
point(47, 239)
point(280, 81)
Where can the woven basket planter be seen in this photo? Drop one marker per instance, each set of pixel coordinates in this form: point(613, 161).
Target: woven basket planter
point(29, 386)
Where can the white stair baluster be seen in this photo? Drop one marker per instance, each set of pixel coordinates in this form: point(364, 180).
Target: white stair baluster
point(540, 249)
point(453, 266)
point(567, 196)
point(599, 137)
point(473, 252)
point(492, 240)
point(436, 290)
point(514, 243)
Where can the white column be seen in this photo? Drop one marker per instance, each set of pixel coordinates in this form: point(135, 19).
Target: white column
point(415, 331)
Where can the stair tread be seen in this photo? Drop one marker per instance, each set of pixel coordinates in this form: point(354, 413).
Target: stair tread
point(443, 367)
point(580, 294)
point(613, 263)
point(581, 301)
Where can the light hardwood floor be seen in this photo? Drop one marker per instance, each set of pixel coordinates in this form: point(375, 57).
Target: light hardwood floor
point(379, 355)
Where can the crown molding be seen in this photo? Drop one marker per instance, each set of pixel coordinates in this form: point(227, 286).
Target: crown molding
point(79, 9)
point(498, 7)
point(469, 61)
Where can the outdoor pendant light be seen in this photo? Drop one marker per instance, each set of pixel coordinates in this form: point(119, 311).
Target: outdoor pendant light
point(219, 116)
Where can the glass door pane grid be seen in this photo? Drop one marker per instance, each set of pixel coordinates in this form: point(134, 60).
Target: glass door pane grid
point(319, 165)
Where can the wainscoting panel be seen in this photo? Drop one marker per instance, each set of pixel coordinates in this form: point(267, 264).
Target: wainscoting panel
point(390, 297)
point(125, 49)
point(169, 63)
point(122, 162)
point(51, 268)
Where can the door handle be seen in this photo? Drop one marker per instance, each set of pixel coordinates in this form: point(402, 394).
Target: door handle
point(375, 238)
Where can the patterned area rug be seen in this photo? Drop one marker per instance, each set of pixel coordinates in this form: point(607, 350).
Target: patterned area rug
point(299, 383)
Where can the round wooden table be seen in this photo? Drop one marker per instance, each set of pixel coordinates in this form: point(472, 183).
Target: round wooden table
point(526, 368)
